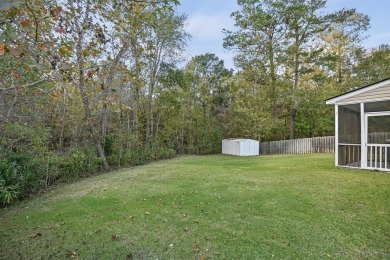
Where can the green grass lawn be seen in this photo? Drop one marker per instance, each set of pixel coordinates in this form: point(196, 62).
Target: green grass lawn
point(211, 207)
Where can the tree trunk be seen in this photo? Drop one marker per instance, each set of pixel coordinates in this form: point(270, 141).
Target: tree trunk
point(88, 116)
point(339, 72)
point(63, 120)
point(273, 80)
point(82, 87)
point(295, 88)
point(107, 87)
point(137, 85)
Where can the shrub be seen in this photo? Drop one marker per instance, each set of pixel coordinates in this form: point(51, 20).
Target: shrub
point(78, 162)
point(108, 145)
point(166, 153)
point(128, 149)
point(10, 183)
point(23, 151)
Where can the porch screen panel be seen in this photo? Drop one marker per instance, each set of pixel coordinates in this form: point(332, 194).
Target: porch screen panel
point(378, 139)
point(378, 130)
point(349, 135)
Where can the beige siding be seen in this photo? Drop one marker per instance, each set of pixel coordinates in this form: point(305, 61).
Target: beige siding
point(382, 93)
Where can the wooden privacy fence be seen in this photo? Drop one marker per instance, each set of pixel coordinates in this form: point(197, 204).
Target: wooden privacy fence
point(299, 146)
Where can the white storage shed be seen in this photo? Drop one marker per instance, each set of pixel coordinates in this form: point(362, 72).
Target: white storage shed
point(240, 147)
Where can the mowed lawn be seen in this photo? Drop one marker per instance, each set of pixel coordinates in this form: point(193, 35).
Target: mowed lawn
point(208, 207)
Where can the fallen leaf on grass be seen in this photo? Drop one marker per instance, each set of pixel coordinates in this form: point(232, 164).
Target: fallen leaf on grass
point(2, 48)
point(72, 254)
point(147, 213)
point(197, 248)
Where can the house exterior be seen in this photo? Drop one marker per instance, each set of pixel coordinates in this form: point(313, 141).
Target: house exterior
point(362, 127)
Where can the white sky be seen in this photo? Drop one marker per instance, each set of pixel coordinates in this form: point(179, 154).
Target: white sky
point(207, 18)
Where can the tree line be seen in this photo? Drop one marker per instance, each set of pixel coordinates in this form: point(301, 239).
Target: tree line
point(91, 85)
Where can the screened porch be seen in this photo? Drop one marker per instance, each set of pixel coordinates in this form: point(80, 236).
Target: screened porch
point(362, 127)
point(368, 140)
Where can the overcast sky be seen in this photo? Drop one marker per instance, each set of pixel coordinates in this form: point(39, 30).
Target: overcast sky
point(207, 18)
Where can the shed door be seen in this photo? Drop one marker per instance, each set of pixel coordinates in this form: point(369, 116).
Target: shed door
point(378, 140)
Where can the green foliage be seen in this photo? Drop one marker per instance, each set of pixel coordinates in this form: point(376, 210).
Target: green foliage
point(10, 183)
point(25, 139)
point(375, 66)
point(108, 145)
point(16, 181)
point(23, 160)
point(27, 165)
point(211, 141)
point(127, 150)
point(314, 117)
point(79, 162)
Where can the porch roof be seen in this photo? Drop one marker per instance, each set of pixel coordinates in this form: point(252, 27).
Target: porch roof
point(353, 96)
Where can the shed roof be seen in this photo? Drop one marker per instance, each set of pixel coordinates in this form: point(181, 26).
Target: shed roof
point(352, 96)
point(239, 139)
